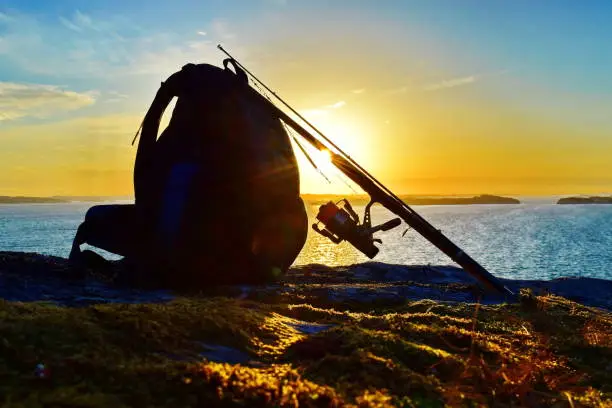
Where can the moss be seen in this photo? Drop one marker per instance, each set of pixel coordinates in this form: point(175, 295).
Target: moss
point(543, 351)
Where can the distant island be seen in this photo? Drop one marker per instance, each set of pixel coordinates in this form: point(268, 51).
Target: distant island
point(30, 200)
point(480, 199)
point(60, 199)
point(585, 200)
point(416, 200)
point(95, 199)
point(309, 198)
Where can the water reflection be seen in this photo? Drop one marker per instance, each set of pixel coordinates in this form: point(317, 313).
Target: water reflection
point(515, 241)
point(527, 241)
point(319, 249)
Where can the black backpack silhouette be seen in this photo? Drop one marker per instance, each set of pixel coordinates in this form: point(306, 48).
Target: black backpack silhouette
point(216, 194)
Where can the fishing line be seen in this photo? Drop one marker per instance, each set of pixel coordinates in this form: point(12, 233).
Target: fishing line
point(295, 139)
point(292, 133)
point(363, 171)
point(337, 174)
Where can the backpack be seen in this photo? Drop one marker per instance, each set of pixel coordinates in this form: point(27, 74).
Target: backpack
point(219, 189)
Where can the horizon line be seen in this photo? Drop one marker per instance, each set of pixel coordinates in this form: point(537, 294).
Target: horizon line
point(131, 196)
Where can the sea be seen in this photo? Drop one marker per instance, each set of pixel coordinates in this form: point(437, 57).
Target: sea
point(536, 239)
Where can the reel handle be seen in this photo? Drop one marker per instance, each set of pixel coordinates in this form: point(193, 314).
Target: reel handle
point(396, 222)
point(386, 226)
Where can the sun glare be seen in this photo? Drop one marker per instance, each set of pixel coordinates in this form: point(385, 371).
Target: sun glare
point(323, 160)
point(349, 132)
point(324, 157)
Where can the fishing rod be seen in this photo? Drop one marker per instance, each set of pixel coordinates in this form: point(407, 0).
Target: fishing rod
point(342, 222)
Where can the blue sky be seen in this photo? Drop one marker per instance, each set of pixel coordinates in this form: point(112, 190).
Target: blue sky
point(559, 45)
point(485, 72)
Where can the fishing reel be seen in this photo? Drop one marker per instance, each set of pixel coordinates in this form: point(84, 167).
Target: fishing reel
point(341, 223)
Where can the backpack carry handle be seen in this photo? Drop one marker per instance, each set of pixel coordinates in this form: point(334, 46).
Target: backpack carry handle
point(239, 72)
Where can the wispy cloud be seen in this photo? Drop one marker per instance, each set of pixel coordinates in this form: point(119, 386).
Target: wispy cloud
point(34, 100)
point(87, 46)
point(451, 83)
point(336, 105)
point(417, 85)
point(315, 112)
point(4, 17)
point(222, 30)
point(80, 22)
point(324, 110)
point(114, 96)
point(358, 91)
point(69, 24)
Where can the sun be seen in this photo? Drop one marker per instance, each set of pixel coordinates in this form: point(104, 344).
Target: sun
point(347, 132)
point(323, 159)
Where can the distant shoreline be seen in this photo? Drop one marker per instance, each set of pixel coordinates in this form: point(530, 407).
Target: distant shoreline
point(323, 198)
point(57, 199)
point(416, 200)
point(309, 198)
point(586, 200)
point(31, 200)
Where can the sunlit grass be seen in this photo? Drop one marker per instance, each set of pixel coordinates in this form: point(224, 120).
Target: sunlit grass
point(540, 352)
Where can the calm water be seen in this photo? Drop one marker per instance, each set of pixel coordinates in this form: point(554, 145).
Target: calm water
point(540, 241)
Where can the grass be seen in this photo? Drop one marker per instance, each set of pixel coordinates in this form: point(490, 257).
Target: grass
point(543, 351)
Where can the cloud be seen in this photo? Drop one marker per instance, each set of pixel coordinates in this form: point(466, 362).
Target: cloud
point(315, 112)
point(221, 29)
point(84, 20)
point(81, 22)
point(33, 100)
point(336, 105)
point(4, 17)
point(114, 96)
point(445, 84)
point(203, 33)
point(69, 24)
point(358, 91)
point(451, 83)
point(87, 46)
point(324, 110)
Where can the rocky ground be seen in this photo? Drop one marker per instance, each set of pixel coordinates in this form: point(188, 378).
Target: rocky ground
point(363, 335)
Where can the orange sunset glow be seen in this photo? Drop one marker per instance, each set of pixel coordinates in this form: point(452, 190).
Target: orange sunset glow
point(426, 109)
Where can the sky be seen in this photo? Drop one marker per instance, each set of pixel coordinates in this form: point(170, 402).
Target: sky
point(432, 97)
